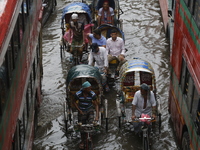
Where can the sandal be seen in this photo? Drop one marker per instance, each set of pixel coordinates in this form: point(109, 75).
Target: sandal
point(81, 146)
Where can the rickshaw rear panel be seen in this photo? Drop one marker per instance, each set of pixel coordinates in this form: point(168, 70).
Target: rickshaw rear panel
point(106, 31)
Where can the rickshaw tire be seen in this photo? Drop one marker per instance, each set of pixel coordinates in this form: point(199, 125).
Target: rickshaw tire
point(159, 119)
point(119, 121)
point(185, 143)
point(55, 3)
point(90, 145)
point(145, 144)
point(61, 52)
point(66, 126)
point(102, 116)
point(106, 124)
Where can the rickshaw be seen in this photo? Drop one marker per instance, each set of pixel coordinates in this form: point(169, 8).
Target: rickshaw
point(97, 4)
point(131, 75)
point(85, 16)
point(75, 77)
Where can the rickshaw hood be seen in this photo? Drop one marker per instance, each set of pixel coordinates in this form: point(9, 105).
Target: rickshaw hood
point(80, 71)
point(76, 8)
point(136, 64)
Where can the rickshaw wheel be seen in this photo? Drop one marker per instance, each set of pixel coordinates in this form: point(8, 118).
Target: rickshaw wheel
point(61, 51)
point(119, 119)
point(146, 143)
point(159, 117)
point(65, 117)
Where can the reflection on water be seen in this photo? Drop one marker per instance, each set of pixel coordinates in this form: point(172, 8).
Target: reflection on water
point(145, 38)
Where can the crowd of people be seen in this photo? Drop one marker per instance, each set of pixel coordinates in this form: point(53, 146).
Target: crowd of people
point(102, 52)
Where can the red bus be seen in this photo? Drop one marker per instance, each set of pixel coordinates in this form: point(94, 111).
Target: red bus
point(184, 92)
point(20, 72)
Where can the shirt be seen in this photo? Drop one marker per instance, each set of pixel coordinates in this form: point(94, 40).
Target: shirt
point(100, 42)
point(115, 48)
point(77, 29)
point(105, 12)
point(138, 101)
point(85, 103)
point(101, 59)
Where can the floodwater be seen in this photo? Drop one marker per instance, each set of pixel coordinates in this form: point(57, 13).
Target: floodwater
point(144, 38)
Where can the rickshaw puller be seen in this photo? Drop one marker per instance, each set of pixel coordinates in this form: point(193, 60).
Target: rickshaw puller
point(143, 103)
point(78, 37)
point(85, 102)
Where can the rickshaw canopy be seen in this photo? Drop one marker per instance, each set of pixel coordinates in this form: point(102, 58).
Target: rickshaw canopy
point(83, 71)
point(77, 7)
point(108, 28)
point(136, 64)
point(132, 74)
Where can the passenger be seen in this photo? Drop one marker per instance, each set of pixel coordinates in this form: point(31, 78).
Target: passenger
point(105, 14)
point(85, 102)
point(115, 49)
point(143, 103)
point(82, 18)
point(99, 55)
point(78, 34)
point(100, 4)
point(96, 37)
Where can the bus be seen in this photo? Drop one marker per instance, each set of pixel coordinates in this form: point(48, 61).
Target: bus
point(184, 90)
point(20, 72)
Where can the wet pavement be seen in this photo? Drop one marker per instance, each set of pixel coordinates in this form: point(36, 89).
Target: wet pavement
point(144, 38)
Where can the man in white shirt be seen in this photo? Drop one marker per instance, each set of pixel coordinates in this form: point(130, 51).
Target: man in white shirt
point(115, 49)
point(144, 102)
point(99, 55)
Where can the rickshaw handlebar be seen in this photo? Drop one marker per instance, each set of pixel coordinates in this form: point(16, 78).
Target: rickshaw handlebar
point(151, 119)
point(88, 127)
point(138, 119)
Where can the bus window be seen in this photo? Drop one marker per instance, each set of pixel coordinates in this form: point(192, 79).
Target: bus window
point(191, 6)
point(9, 64)
point(195, 109)
point(15, 41)
point(197, 13)
point(183, 75)
point(16, 139)
point(190, 93)
point(198, 117)
point(23, 14)
point(3, 88)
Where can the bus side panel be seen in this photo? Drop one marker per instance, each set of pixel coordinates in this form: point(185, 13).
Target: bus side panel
point(175, 115)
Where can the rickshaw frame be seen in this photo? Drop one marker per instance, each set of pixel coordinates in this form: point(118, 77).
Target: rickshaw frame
point(128, 87)
point(76, 76)
point(81, 9)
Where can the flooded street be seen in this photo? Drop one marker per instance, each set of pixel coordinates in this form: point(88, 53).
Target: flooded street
point(144, 38)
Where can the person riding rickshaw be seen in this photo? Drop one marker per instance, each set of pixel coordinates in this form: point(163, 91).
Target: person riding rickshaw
point(137, 76)
point(107, 12)
point(114, 63)
point(76, 23)
point(84, 99)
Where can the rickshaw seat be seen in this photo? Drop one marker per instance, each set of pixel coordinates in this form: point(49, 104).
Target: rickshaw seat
point(72, 93)
point(130, 92)
point(114, 61)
